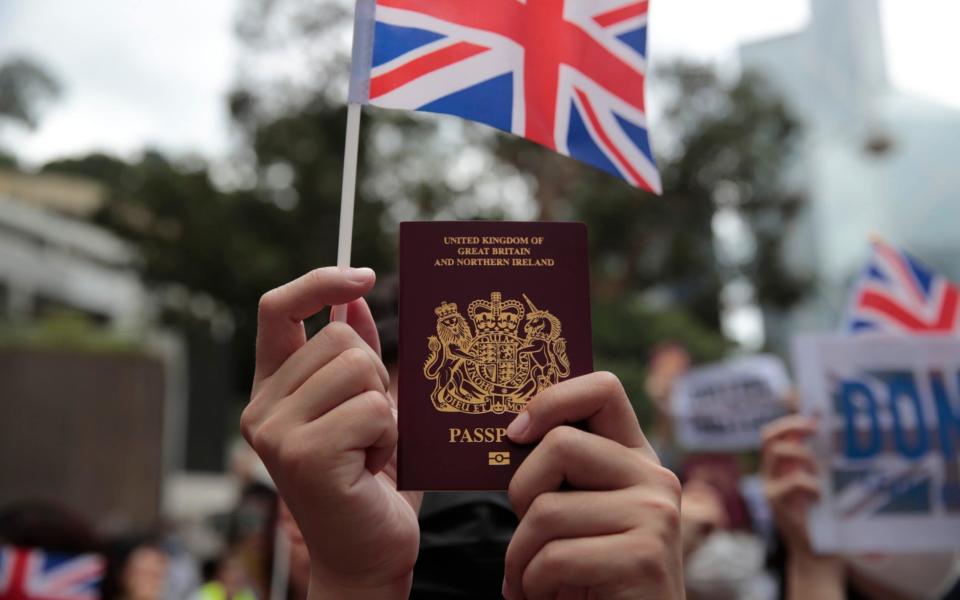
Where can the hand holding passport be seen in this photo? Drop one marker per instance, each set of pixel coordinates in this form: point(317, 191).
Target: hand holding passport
point(597, 511)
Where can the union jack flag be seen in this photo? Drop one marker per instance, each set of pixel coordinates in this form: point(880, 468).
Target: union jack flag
point(895, 293)
point(31, 574)
point(567, 74)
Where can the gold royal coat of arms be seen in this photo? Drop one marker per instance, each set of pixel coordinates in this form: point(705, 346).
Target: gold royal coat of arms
point(508, 356)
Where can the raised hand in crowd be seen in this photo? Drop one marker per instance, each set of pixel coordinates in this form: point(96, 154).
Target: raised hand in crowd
point(599, 515)
point(701, 514)
point(322, 420)
point(791, 487)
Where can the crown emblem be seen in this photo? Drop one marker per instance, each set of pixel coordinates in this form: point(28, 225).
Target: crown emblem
point(496, 315)
point(446, 309)
point(508, 355)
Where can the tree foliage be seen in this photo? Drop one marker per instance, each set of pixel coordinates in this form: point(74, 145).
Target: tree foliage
point(24, 88)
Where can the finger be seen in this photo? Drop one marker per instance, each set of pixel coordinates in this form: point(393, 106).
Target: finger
point(782, 457)
point(603, 563)
point(584, 461)
point(323, 347)
point(361, 320)
point(351, 373)
point(796, 427)
point(597, 398)
point(571, 514)
point(365, 423)
point(282, 310)
point(795, 485)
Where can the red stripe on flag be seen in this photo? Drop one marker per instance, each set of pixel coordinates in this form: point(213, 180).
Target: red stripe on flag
point(948, 315)
point(621, 14)
point(419, 67)
point(891, 309)
point(608, 144)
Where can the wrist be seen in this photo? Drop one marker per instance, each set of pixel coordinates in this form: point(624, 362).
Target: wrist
point(324, 585)
point(808, 563)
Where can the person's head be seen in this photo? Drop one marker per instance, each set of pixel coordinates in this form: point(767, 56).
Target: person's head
point(136, 569)
point(47, 526)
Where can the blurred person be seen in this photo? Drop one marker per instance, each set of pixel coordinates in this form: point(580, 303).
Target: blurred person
point(49, 526)
point(137, 569)
point(322, 420)
point(250, 534)
point(790, 477)
point(228, 582)
point(723, 558)
point(668, 361)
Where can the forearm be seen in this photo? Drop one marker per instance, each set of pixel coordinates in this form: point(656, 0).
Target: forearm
point(810, 576)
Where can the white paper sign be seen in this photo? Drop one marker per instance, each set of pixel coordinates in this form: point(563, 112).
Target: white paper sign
point(888, 442)
point(724, 406)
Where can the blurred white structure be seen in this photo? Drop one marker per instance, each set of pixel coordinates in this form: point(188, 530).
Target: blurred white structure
point(873, 159)
point(49, 258)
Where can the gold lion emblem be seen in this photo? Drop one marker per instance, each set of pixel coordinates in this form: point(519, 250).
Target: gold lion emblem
point(489, 367)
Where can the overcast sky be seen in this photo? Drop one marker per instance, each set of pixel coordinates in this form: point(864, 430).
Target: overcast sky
point(155, 72)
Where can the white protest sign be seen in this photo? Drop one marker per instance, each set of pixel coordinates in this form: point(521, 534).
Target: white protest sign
point(724, 406)
point(888, 441)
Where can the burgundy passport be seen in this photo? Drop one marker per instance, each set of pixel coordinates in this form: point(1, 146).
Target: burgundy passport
point(491, 313)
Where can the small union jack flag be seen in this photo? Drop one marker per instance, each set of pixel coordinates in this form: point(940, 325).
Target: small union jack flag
point(31, 574)
point(567, 74)
point(895, 293)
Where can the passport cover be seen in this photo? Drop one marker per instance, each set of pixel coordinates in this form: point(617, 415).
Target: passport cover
point(491, 313)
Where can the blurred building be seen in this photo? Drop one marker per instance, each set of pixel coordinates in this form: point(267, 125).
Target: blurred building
point(52, 259)
point(112, 433)
point(873, 159)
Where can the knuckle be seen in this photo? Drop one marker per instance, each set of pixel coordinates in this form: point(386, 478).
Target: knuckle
point(339, 335)
point(356, 358)
point(560, 440)
point(668, 481)
point(264, 441)
point(609, 384)
point(247, 425)
point(358, 364)
point(665, 512)
point(377, 405)
point(647, 556)
point(269, 302)
point(545, 511)
point(552, 556)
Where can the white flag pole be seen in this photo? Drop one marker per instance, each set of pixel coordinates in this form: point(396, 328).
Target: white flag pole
point(361, 57)
point(348, 198)
point(280, 580)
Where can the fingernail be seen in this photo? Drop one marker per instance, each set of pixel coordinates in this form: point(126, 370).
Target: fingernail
point(519, 425)
point(361, 275)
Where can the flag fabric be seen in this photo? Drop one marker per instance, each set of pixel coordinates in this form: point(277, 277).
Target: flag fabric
point(896, 293)
point(31, 574)
point(567, 74)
